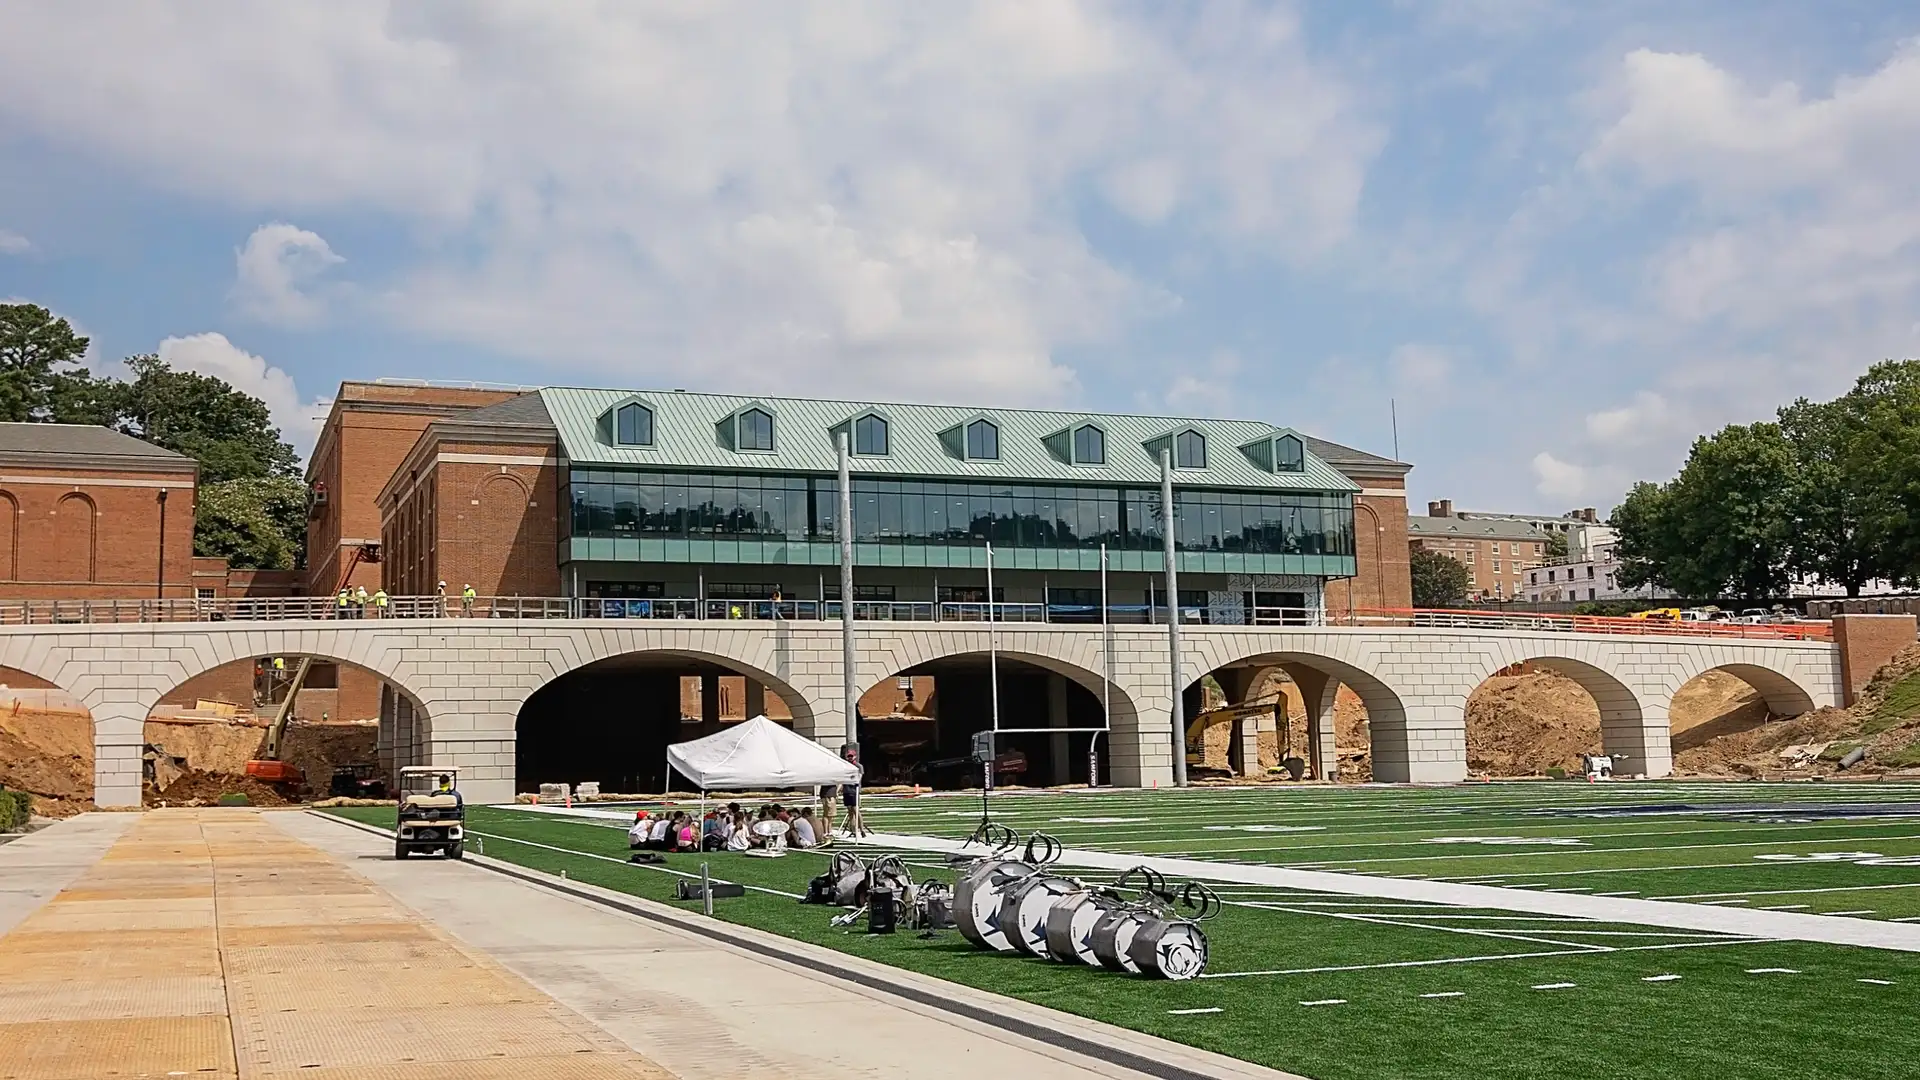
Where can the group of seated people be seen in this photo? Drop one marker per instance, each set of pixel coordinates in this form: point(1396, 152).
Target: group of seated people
point(725, 828)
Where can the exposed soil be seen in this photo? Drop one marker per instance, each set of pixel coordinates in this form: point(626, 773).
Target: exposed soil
point(46, 749)
point(205, 789)
point(1885, 721)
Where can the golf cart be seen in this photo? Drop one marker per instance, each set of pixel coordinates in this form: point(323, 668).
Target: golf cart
point(432, 814)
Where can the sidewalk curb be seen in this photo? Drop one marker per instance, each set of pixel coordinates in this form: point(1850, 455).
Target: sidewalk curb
point(1125, 1048)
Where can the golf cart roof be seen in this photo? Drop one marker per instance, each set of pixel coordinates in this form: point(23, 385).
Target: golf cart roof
point(431, 770)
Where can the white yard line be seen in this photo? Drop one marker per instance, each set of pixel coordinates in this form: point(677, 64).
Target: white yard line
point(1782, 925)
point(1792, 892)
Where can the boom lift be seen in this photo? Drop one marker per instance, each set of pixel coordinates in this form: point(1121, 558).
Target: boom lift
point(269, 767)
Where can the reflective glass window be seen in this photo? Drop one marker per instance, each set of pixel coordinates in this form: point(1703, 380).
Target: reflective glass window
point(1190, 450)
point(756, 430)
point(983, 441)
point(633, 425)
point(1089, 446)
point(1289, 455)
point(870, 436)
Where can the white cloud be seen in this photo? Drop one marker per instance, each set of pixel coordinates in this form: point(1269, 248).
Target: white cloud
point(276, 275)
point(1209, 389)
point(212, 354)
point(818, 196)
point(1565, 480)
point(12, 243)
point(1423, 368)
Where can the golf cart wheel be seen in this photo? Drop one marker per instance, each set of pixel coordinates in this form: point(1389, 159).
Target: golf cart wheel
point(455, 850)
point(399, 850)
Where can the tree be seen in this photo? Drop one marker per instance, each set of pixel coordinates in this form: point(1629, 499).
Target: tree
point(1723, 527)
point(1829, 503)
point(256, 523)
point(1879, 457)
point(229, 433)
point(1438, 581)
point(36, 348)
point(1556, 544)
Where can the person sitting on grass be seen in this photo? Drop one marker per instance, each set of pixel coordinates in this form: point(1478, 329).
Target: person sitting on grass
point(659, 835)
point(685, 839)
point(639, 832)
point(800, 830)
point(741, 837)
point(714, 831)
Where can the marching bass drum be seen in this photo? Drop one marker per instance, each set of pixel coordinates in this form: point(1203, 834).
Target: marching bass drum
point(1113, 938)
point(1170, 949)
point(1023, 911)
point(1070, 923)
point(976, 901)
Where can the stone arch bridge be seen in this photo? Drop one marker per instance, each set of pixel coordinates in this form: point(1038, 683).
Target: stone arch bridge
point(454, 686)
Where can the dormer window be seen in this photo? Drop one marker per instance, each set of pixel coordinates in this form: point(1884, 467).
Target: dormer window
point(1189, 450)
point(1289, 454)
point(633, 425)
point(870, 436)
point(754, 430)
point(1089, 445)
point(983, 441)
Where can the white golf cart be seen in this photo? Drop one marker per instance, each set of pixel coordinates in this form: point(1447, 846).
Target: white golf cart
point(432, 814)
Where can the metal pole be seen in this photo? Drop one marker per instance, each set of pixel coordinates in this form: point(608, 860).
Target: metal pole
point(160, 575)
point(1106, 681)
point(1173, 621)
point(848, 676)
point(993, 666)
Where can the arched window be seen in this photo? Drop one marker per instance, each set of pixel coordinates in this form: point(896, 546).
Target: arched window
point(1190, 450)
point(1089, 446)
point(870, 436)
point(1289, 455)
point(756, 430)
point(983, 441)
point(633, 425)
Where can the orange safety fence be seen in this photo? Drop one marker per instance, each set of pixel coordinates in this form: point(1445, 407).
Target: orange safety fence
point(1469, 619)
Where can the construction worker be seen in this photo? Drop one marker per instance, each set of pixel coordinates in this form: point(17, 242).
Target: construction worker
point(360, 600)
point(380, 603)
point(340, 604)
point(440, 591)
point(467, 597)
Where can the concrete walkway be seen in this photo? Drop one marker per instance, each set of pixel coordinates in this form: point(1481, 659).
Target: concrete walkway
point(762, 1007)
point(39, 864)
point(1775, 925)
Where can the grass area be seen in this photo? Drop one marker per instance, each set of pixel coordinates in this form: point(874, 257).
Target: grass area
point(1901, 703)
point(1422, 989)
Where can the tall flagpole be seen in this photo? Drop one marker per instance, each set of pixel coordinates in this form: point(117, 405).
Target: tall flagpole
point(849, 677)
point(993, 665)
point(1173, 620)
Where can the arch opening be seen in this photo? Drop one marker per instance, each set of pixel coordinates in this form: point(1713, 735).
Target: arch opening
point(46, 744)
point(917, 725)
point(1715, 718)
point(348, 728)
point(1538, 716)
point(610, 722)
point(1342, 722)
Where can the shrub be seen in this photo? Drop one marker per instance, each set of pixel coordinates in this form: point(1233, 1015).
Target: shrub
point(235, 798)
point(16, 809)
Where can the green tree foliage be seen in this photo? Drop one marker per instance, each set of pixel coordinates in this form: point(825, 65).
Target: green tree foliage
point(252, 507)
point(1879, 457)
point(1832, 505)
point(1723, 527)
point(256, 522)
point(1438, 581)
point(229, 433)
point(39, 352)
point(1556, 545)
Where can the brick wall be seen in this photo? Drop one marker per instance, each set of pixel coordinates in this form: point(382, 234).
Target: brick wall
point(367, 435)
point(93, 534)
point(491, 523)
point(1383, 577)
point(1866, 643)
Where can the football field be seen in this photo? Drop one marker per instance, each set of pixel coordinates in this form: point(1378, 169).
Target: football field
point(1351, 985)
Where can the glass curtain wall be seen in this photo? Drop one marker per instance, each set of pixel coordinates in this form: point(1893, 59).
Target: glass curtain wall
point(616, 503)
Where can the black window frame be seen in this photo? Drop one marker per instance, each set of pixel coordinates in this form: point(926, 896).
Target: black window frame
point(869, 423)
point(1182, 459)
point(740, 430)
point(1099, 436)
point(967, 435)
point(619, 419)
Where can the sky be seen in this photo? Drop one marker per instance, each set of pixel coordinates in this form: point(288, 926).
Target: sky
point(1555, 242)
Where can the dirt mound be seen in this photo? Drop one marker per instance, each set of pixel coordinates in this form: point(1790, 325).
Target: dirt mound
point(46, 750)
point(205, 789)
point(1885, 721)
point(1523, 725)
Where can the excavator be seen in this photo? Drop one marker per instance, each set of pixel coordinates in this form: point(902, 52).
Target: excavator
point(269, 767)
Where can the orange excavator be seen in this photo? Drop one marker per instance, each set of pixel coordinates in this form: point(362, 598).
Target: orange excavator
point(269, 767)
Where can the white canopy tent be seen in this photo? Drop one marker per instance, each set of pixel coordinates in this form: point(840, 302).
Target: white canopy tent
point(759, 754)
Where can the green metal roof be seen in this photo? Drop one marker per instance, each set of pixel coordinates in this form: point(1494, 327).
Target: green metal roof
point(688, 433)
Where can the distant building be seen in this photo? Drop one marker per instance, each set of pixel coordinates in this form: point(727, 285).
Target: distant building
point(1589, 572)
point(1496, 549)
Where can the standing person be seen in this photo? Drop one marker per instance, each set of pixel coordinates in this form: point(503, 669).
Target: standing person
point(776, 601)
point(829, 794)
point(440, 591)
point(467, 597)
point(850, 795)
point(361, 600)
point(380, 603)
point(340, 604)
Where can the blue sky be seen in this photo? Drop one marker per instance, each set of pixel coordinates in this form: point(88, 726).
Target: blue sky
point(1564, 238)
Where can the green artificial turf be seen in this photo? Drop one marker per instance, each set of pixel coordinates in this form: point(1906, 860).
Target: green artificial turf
point(1723, 1018)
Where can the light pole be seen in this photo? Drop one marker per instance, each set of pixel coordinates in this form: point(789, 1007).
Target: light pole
point(160, 571)
point(849, 678)
point(993, 671)
point(1173, 620)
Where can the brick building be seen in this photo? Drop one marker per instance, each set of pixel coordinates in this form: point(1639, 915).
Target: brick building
point(83, 509)
point(370, 428)
point(1496, 549)
point(1382, 571)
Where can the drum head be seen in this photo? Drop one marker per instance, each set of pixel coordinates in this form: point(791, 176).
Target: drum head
point(1023, 911)
point(1113, 938)
point(976, 901)
point(1070, 925)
